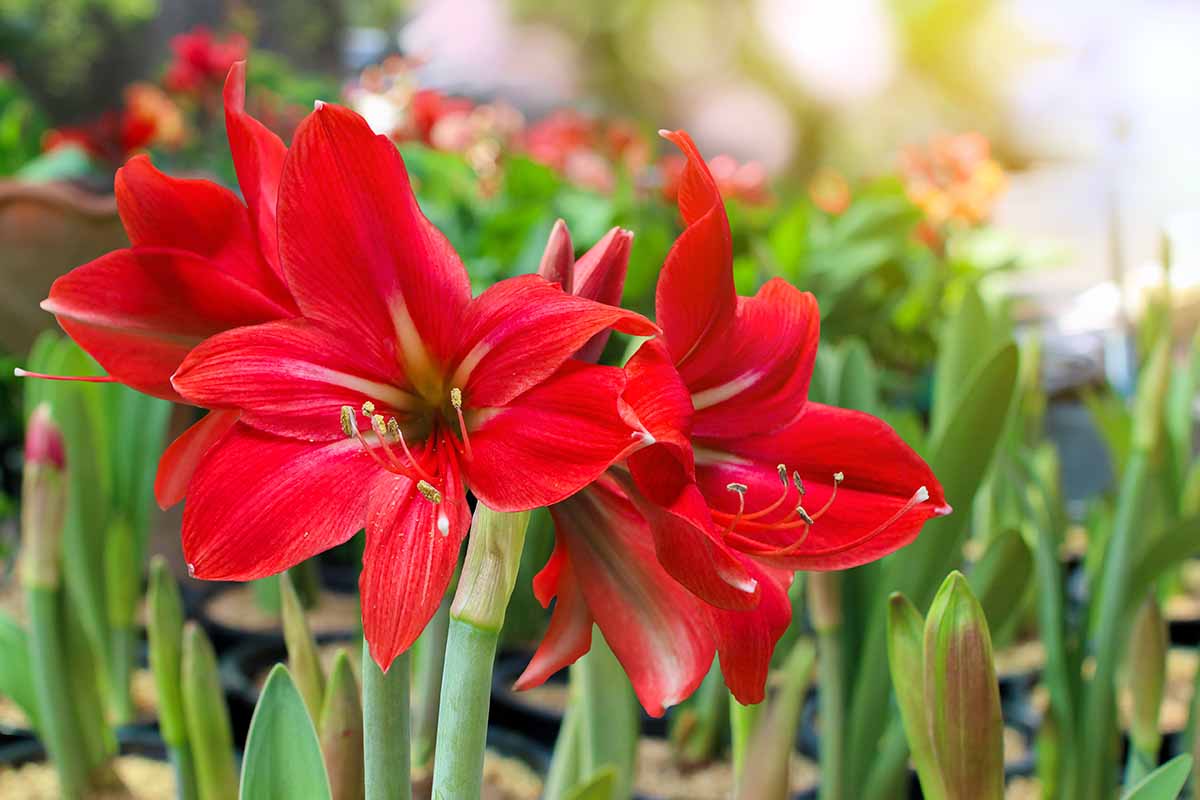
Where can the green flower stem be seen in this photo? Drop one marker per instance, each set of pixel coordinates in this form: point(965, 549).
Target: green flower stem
point(564, 764)
point(825, 608)
point(185, 771)
point(476, 617)
point(430, 661)
point(608, 724)
point(1099, 714)
point(387, 774)
point(742, 722)
point(60, 731)
point(463, 715)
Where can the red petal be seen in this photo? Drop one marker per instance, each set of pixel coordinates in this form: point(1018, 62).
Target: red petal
point(182, 456)
point(290, 378)
point(696, 300)
point(198, 216)
point(258, 156)
point(551, 441)
point(138, 312)
point(656, 628)
point(746, 639)
point(687, 546)
point(409, 559)
point(519, 331)
point(757, 381)
point(358, 253)
point(600, 276)
point(259, 504)
point(661, 404)
point(569, 634)
point(558, 259)
point(881, 477)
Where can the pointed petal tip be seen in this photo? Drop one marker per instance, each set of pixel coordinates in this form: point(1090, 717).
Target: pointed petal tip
point(234, 93)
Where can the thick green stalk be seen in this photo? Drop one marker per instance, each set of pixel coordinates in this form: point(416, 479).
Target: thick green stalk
point(825, 609)
point(430, 660)
point(1099, 714)
point(476, 617)
point(122, 592)
point(387, 774)
point(60, 731)
point(564, 771)
point(207, 718)
point(743, 720)
point(164, 629)
point(608, 723)
point(463, 715)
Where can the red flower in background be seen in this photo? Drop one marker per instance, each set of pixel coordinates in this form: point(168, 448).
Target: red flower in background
point(202, 261)
point(746, 182)
point(148, 117)
point(455, 393)
point(201, 60)
point(688, 547)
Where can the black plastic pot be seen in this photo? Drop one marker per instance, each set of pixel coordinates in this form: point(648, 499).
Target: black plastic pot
point(130, 741)
point(223, 636)
point(241, 665)
point(513, 709)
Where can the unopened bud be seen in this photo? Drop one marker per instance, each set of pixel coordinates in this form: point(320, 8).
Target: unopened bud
point(1146, 674)
point(558, 259)
point(962, 697)
point(489, 571)
point(43, 500)
point(1148, 411)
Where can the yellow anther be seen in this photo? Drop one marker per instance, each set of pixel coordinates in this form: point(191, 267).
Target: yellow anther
point(740, 488)
point(799, 484)
point(456, 397)
point(804, 515)
point(379, 426)
point(368, 408)
point(348, 426)
point(429, 492)
point(783, 476)
point(393, 429)
point(838, 477)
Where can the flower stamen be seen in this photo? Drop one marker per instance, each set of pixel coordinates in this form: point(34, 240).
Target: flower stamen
point(740, 490)
point(456, 400)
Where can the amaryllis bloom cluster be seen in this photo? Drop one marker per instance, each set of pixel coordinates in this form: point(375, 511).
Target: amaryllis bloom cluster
point(353, 382)
point(688, 546)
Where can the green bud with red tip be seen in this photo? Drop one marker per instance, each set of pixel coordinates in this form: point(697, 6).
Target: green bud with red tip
point(962, 697)
point(43, 501)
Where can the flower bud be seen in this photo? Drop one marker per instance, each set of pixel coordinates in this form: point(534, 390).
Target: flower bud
point(489, 571)
point(558, 259)
point(1146, 675)
point(906, 657)
point(164, 630)
point(600, 276)
point(43, 501)
point(303, 661)
point(1148, 411)
point(962, 698)
point(340, 729)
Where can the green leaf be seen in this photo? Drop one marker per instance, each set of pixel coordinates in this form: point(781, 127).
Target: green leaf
point(968, 334)
point(206, 717)
point(283, 755)
point(1002, 576)
point(906, 660)
point(16, 679)
point(1165, 783)
point(599, 786)
point(1170, 547)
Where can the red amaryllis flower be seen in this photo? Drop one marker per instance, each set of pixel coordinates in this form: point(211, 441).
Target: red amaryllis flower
point(201, 59)
point(719, 501)
point(455, 393)
point(201, 262)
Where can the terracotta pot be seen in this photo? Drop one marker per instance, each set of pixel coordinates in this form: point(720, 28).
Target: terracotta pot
point(46, 229)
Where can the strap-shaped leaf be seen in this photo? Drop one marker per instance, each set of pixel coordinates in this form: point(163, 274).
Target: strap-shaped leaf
point(16, 680)
point(283, 756)
point(1164, 783)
